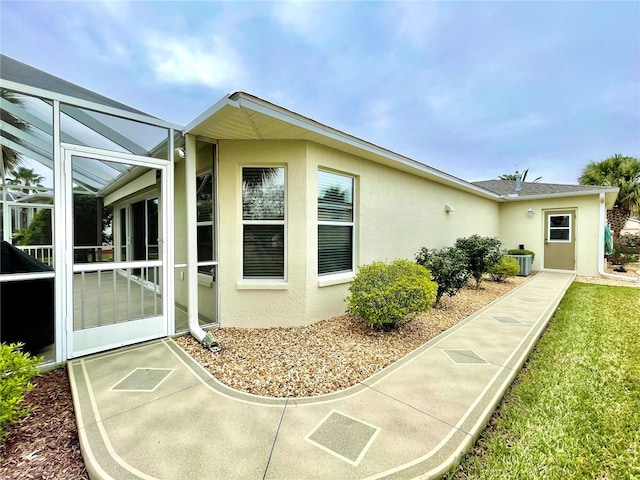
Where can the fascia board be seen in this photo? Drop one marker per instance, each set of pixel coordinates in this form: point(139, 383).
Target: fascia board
point(542, 196)
point(76, 102)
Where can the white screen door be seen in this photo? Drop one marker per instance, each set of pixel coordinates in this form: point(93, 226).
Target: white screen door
point(116, 277)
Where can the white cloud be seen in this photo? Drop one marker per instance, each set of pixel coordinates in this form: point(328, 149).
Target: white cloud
point(208, 61)
point(310, 20)
point(415, 21)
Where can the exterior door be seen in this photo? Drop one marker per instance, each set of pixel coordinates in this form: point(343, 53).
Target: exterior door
point(559, 240)
point(117, 276)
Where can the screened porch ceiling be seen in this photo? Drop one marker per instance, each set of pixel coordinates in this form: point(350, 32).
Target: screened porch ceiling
point(27, 126)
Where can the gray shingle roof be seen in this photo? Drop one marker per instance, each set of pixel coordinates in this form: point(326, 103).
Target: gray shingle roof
point(15, 71)
point(508, 187)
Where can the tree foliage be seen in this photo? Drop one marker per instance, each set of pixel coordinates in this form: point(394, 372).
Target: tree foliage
point(448, 266)
point(624, 173)
point(481, 254)
point(10, 158)
point(523, 177)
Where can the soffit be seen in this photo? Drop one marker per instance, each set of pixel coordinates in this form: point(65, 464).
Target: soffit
point(248, 118)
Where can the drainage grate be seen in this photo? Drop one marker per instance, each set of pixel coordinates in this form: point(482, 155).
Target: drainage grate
point(467, 357)
point(142, 380)
point(343, 436)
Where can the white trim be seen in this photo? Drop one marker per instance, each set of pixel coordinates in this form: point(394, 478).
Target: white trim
point(91, 340)
point(333, 278)
point(570, 227)
point(284, 223)
point(19, 277)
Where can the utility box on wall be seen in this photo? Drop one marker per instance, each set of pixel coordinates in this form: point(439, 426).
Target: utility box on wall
point(525, 262)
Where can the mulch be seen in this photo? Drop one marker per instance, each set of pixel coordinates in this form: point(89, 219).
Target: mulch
point(44, 446)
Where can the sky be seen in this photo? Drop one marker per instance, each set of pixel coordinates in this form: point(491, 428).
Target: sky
point(476, 89)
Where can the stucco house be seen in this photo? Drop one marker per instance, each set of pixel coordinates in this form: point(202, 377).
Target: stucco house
point(251, 215)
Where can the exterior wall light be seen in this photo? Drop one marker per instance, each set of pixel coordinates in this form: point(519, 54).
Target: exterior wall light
point(449, 208)
point(530, 213)
point(180, 152)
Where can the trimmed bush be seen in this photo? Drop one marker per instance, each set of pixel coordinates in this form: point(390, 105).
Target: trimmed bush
point(481, 253)
point(17, 368)
point(448, 266)
point(518, 251)
point(384, 295)
point(508, 267)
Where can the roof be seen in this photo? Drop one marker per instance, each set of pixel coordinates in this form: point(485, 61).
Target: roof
point(529, 190)
point(242, 116)
point(18, 72)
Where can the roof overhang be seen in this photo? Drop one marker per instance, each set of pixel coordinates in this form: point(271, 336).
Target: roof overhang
point(242, 116)
point(610, 195)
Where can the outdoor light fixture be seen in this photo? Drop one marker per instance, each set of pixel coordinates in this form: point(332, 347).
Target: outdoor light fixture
point(530, 213)
point(449, 208)
point(180, 152)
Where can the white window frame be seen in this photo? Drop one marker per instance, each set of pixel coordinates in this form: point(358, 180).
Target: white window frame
point(252, 282)
point(204, 278)
point(550, 228)
point(332, 278)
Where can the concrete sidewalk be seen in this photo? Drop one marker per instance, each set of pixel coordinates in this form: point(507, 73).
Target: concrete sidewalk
point(150, 412)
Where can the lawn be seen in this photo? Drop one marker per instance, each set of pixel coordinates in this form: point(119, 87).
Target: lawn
point(574, 410)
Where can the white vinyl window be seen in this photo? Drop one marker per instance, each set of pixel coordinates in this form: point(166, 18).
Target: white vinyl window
point(559, 228)
point(263, 222)
point(205, 202)
point(335, 223)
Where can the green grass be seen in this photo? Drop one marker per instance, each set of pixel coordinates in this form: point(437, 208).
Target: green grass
point(574, 410)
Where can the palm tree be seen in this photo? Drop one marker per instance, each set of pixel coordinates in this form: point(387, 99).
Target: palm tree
point(624, 173)
point(9, 158)
point(513, 176)
point(25, 176)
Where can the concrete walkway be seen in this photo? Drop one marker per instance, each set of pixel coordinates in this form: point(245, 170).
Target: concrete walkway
point(150, 412)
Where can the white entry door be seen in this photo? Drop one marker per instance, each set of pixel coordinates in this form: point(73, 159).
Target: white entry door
point(116, 220)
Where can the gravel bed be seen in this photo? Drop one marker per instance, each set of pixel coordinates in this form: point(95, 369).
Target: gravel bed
point(329, 355)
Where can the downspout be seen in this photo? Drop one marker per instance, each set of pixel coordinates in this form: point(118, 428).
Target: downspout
point(205, 338)
point(601, 223)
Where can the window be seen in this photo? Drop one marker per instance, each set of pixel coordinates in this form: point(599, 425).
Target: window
point(204, 222)
point(559, 228)
point(263, 222)
point(335, 223)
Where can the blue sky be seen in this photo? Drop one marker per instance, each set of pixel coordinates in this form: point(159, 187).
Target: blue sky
point(476, 89)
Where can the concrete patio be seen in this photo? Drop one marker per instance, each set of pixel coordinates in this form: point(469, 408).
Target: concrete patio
point(150, 412)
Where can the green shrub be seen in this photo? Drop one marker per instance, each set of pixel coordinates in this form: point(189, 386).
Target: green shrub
point(481, 253)
point(386, 294)
point(448, 266)
point(508, 267)
point(17, 368)
point(518, 251)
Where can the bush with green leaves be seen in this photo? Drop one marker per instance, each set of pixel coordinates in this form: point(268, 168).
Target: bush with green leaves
point(448, 266)
point(522, 251)
point(386, 294)
point(508, 267)
point(17, 368)
point(481, 253)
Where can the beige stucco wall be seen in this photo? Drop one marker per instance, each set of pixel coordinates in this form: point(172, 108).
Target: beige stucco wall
point(396, 214)
point(517, 228)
